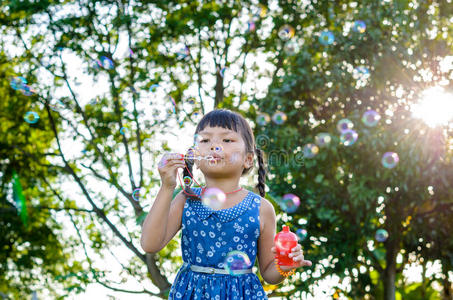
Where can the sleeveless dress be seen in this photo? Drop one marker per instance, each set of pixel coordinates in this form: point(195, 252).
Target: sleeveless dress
point(207, 237)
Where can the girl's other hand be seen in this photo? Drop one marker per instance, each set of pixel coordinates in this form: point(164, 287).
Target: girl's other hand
point(168, 167)
point(298, 257)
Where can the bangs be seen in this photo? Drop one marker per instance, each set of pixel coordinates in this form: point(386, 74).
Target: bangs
point(219, 118)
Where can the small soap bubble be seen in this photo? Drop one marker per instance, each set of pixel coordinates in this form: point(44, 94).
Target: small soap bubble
point(344, 124)
point(279, 118)
point(310, 150)
point(191, 101)
point(262, 119)
point(214, 198)
point(183, 53)
point(326, 38)
point(153, 87)
point(301, 234)
point(323, 139)
point(381, 235)
point(222, 72)
point(361, 73)
point(349, 137)
point(27, 90)
point(236, 261)
point(286, 32)
point(187, 180)
point(31, 117)
point(371, 118)
point(123, 130)
point(18, 83)
point(136, 194)
point(390, 160)
point(218, 149)
point(290, 203)
point(251, 26)
point(106, 62)
point(56, 105)
point(197, 139)
point(292, 47)
point(163, 161)
point(359, 26)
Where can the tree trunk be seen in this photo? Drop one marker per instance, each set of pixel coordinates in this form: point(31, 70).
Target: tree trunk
point(219, 89)
point(447, 291)
point(390, 268)
point(156, 277)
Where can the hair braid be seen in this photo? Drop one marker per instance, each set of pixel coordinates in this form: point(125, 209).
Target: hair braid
point(189, 193)
point(261, 172)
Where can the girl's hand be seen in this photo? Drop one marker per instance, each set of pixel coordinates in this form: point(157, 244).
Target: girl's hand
point(298, 257)
point(168, 167)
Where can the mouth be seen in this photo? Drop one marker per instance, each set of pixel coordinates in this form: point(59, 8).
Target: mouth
point(215, 156)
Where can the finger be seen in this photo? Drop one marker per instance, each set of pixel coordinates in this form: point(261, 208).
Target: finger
point(306, 263)
point(297, 248)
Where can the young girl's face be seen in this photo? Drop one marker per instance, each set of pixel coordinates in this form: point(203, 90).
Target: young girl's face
point(227, 147)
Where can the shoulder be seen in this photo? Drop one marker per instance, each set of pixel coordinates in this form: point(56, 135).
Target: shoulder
point(266, 208)
point(179, 200)
point(267, 214)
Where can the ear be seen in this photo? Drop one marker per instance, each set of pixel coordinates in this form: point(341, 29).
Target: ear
point(248, 163)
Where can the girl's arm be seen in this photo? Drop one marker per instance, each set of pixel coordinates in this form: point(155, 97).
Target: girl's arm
point(266, 249)
point(266, 242)
point(163, 220)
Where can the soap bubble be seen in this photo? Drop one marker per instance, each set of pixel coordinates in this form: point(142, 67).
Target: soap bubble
point(301, 234)
point(344, 124)
point(292, 47)
point(31, 117)
point(153, 87)
point(106, 62)
point(183, 53)
point(323, 139)
point(390, 160)
point(279, 118)
point(326, 38)
point(187, 180)
point(218, 149)
point(310, 150)
point(359, 26)
point(371, 118)
point(286, 32)
point(381, 235)
point(136, 194)
point(349, 137)
point(251, 26)
point(214, 198)
point(236, 261)
point(290, 203)
point(18, 83)
point(123, 130)
point(262, 119)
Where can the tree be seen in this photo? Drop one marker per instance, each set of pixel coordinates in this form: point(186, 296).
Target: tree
point(347, 194)
point(33, 250)
point(176, 51)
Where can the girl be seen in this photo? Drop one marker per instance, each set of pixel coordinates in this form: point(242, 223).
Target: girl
point(244, 222)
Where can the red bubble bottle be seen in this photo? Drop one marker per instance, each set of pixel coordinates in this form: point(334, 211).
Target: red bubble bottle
point(284, 241)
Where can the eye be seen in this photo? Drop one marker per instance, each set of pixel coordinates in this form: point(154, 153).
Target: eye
point(227, 140)
point(204, 141)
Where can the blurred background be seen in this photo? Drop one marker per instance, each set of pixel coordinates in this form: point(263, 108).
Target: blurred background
point(351, 101)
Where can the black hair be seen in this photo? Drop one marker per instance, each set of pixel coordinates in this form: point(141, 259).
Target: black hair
point(233, 121)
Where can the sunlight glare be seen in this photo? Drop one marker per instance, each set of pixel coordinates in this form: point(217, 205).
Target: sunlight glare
point(435, 107)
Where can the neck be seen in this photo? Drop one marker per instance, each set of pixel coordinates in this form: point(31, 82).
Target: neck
point(227, 185)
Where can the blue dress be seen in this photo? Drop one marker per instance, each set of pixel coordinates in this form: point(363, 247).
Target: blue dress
point(207, 237)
